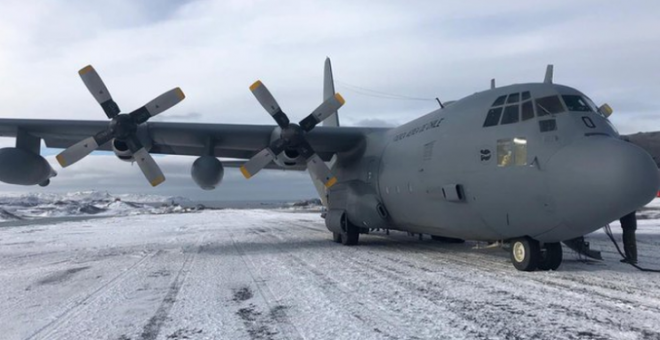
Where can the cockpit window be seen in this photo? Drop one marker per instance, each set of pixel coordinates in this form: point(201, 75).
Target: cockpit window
point(576, 103)
point(526, 95)
point(499, 101)
point(513, 98)
point(493, 117)
point(510, 114)
point(549, 105)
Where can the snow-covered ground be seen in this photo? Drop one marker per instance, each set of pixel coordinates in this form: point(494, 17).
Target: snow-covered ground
point(268, 274)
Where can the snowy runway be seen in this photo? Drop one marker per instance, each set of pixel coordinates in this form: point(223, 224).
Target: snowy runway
point(261, 274)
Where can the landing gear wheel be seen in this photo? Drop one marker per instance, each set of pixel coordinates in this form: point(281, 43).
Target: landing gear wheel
point(351, 235)
point(551, 257)
point(336, 237)
point(525, 254)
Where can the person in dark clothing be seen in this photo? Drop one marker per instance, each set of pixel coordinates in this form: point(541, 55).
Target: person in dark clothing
point(629, 226)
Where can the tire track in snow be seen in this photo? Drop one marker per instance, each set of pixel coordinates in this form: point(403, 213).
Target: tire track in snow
point(151, 330)
point(605, 302)
point(286, 327)
point(379, 319)
point(78, 307)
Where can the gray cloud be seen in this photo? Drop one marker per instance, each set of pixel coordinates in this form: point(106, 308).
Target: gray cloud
point(375, 122)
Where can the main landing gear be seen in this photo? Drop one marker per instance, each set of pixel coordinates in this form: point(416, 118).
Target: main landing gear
point(528, 255)
point(350, 234)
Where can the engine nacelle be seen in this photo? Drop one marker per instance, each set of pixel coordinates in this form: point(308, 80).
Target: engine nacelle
point(22, 167)
point(289, 157)
point(207, 172)
point(121, 151)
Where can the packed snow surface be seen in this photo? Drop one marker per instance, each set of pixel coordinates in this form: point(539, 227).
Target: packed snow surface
point(267, 274)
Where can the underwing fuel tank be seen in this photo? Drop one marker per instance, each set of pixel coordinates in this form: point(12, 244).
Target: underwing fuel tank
point(207, 172)
point(22, 167)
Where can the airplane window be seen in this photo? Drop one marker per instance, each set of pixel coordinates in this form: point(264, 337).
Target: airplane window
point(526, 95)
point(520, 151)
point(591, 104)
point(510, 114)
point(576, 103)
point(547, 125)
point(493, 117)
point(549, 105)
point(527, 109)
point(504, 152)
point(499, 101)
point(513, 98)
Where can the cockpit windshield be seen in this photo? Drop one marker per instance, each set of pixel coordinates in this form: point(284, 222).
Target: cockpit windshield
point(548, 106)
point(576, 103)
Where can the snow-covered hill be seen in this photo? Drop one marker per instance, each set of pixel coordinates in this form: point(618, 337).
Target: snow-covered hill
point(102, 203)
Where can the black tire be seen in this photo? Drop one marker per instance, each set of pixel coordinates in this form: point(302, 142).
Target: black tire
point(525, 254)
point(336, 237)
point(447, 239)
point(551, 257)
point(351, 237)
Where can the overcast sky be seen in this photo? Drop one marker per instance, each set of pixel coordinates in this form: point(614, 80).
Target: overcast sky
point(214, 50)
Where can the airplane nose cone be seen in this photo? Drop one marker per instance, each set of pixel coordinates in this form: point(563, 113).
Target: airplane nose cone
point(599, 179)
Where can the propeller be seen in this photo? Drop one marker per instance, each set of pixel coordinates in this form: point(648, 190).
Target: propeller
point(122, 127)
point(292, 135)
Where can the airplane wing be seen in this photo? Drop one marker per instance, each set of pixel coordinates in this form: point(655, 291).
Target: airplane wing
point(231, 140)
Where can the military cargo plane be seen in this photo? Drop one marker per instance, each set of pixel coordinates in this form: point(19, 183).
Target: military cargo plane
point(530, 165)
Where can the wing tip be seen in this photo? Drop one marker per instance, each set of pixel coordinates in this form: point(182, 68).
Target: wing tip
point(245, 172)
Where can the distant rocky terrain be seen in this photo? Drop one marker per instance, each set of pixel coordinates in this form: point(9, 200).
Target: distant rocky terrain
point(44, 205)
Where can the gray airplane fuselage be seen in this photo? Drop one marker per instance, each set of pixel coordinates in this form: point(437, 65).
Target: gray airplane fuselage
point(553, 173)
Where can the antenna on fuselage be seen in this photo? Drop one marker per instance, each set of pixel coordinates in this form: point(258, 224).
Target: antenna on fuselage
point(492, 83)
point(548, 74)
point(439, 102)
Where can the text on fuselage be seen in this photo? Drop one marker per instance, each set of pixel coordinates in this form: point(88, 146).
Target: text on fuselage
point(427, 126)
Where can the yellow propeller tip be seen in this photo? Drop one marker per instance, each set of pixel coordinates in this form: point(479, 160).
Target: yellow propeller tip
point(331, 182)
point(157, 181)
point(255, 85)
point(85, 70)
point(245, 172)
point(180, 93)
point(61, 160)
point(340, 98)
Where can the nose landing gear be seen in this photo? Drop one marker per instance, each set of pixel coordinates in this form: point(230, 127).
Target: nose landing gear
point(528, 255)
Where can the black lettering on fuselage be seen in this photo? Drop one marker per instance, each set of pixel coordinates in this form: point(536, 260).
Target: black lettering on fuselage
point(425, 127)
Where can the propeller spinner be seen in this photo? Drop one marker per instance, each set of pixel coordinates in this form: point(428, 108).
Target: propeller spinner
point(292, 135)
point(122, 126)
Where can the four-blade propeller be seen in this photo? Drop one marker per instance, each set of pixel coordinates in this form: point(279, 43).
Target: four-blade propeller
point(122, 127)
point(292, 135)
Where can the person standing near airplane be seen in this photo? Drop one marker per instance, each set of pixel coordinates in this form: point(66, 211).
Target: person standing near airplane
point(629, 226)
